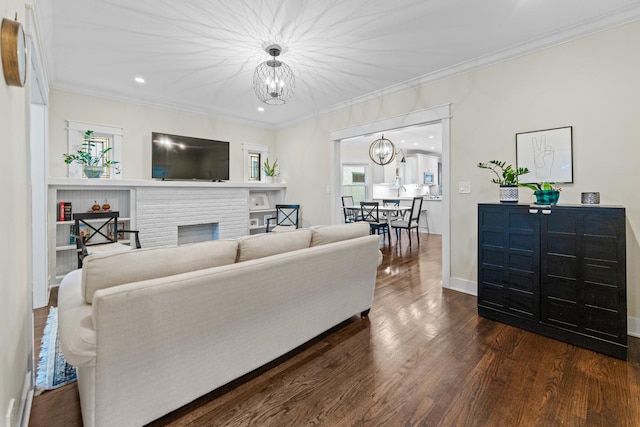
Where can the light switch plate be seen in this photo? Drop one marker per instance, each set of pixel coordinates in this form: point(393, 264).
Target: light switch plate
point(464, 187)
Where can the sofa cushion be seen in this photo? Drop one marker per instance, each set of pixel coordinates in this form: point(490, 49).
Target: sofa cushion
point(325, 234)
point(263, 245)
point(104, 270)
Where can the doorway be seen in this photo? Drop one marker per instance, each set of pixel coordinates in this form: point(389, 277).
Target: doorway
point(436, 115)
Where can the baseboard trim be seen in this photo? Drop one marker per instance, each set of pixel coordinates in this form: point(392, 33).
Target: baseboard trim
point(471, 288)
point(633, 326)
point(462, 285)
point(26, 399)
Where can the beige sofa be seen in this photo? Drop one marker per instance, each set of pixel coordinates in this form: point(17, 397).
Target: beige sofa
point(153, 329)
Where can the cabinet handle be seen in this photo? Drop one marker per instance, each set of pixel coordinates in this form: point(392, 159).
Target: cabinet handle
point(533, 211)
point(546, 211)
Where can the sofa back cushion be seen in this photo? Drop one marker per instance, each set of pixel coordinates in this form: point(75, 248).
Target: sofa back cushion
point(325, 234)
point(105, 270)
point(267, 244)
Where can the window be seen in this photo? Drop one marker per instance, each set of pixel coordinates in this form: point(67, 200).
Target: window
point(254, 156)
point(254, 166)
point(354, 182)
point(103, 137)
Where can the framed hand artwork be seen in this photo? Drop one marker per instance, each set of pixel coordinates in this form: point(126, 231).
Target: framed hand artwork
point(548, 154)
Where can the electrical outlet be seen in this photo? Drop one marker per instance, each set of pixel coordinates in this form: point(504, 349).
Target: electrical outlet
point(464, 187)
point(10, 415)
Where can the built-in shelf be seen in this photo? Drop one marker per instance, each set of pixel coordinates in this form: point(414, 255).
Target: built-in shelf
point(156, 209)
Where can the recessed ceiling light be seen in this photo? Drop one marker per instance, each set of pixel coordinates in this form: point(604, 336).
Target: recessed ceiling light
point(415, 144)
point(261, 109)
point(433, 148)
point(402, 140)
point(139, 79)
point(431, 137)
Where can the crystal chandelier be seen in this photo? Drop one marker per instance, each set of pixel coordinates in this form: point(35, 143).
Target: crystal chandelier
point(382, 151)
point(273, 80)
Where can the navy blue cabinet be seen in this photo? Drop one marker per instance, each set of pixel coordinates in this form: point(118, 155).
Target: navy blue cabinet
point(559, 271)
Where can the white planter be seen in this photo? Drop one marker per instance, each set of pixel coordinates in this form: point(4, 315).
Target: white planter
point(508, 194)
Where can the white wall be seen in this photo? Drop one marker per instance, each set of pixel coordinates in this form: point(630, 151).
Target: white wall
point(15, 286)
point(138, 122)
point(590, 84)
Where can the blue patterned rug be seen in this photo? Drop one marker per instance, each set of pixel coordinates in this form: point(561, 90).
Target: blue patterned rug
point(53, 370)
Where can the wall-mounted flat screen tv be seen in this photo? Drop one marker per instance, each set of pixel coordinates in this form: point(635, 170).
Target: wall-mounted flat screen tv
point(182, 157)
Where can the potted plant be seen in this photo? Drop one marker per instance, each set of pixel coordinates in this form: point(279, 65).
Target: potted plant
point(93, 164)
point(270, 170)
point(547, 193)
point(506, 177)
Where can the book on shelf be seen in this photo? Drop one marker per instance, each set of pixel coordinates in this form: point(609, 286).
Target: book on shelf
point(72, 234)
point(65, 212)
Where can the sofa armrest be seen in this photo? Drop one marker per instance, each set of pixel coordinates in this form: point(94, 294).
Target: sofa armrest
point(77, 334)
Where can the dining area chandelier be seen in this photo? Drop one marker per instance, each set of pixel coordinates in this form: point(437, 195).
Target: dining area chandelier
point(273, 80)
point(382, 151)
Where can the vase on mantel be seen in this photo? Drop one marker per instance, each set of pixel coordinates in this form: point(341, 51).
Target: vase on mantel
point(93, 171)
point(269, 179)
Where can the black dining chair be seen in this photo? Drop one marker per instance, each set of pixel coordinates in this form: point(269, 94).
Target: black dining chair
point(370, 214)
point(392, 215)
point(410, 223)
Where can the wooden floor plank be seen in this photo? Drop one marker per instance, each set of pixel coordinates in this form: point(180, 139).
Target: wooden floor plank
point(422, 358)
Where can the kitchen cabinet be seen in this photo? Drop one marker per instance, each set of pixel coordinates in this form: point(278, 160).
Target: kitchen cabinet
point(559, 271)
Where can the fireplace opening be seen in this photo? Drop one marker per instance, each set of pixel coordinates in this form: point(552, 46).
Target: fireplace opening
point(198, 233)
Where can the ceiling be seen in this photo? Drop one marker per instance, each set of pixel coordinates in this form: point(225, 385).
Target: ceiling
point(199, 55)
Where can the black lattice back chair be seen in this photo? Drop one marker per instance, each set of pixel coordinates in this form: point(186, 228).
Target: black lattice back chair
point(286, 219)
point(411, 223)
point(98, 232)
point(370, 214)
point(392, 215)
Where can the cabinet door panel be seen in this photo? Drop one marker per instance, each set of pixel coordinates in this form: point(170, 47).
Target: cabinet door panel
point(563, 266)
point(602, 296)
point(562, 288)
point(522, 281)
point(600, 249)
point(602, 323)
point(601, 273)
point(493, 296)
point(561, 313)
point(521, 303)
point(508, 236)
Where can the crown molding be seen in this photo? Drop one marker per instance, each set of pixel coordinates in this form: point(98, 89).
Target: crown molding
point(167, 106)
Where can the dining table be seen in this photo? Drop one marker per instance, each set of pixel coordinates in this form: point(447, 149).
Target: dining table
point(384, 209)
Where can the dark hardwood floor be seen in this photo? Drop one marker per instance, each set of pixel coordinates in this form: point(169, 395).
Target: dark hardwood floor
point(422, 358)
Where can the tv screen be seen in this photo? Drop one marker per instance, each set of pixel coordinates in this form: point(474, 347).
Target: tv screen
point(182, 157)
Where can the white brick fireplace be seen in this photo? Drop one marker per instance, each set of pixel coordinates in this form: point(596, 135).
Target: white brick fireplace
point(161, 210)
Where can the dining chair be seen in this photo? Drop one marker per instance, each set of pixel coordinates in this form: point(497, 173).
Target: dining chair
point(98, 232)
point(350, 215)
point(370, 214)
point(392, 215)
point(286, 219)
point(411, 222)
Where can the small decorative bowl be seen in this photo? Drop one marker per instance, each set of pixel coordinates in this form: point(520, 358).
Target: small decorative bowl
point(590, 198)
